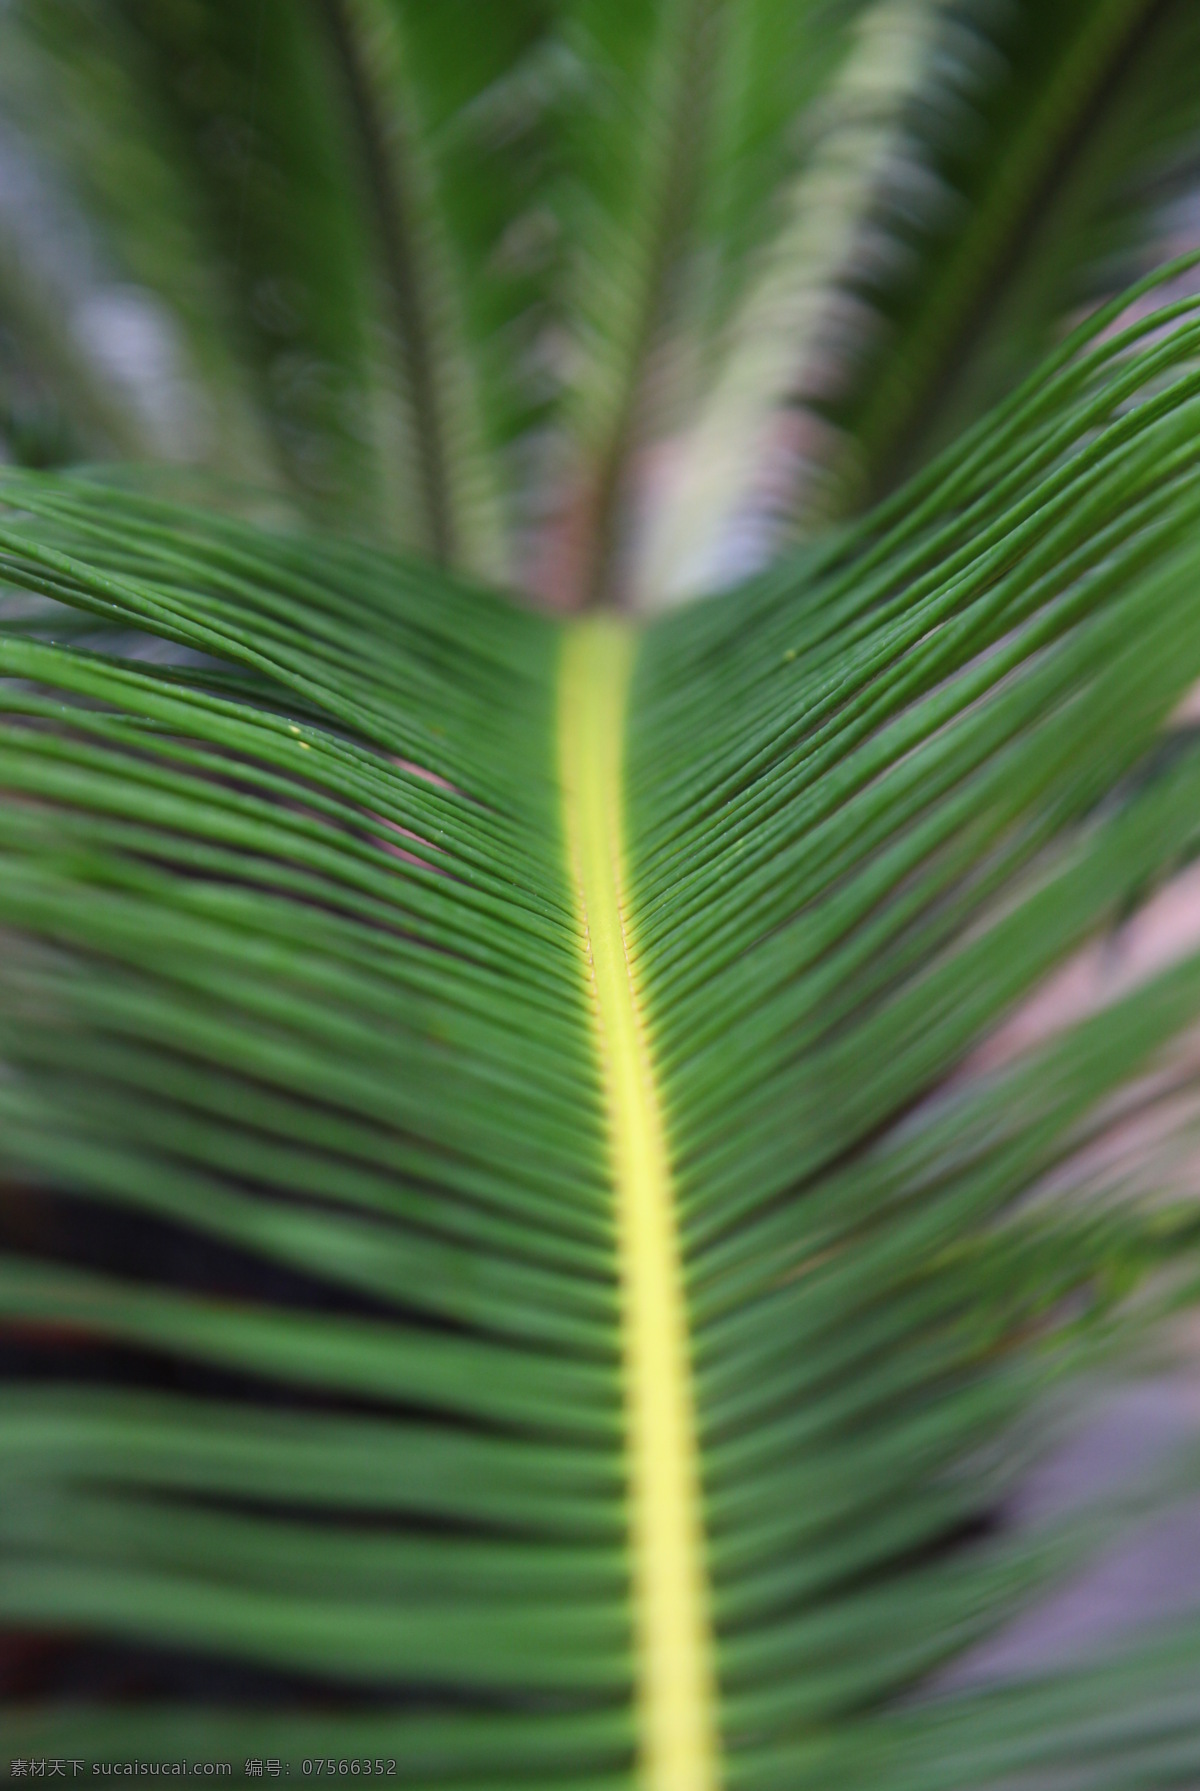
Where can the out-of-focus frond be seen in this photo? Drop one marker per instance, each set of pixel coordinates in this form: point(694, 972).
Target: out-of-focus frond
point(635, 144)
point(1044, 184)
point(601, 298)
point(212, 142)
point(976, 174)
point(718, 465)
point(444, 191)
point(83, 100)
point(246, 95)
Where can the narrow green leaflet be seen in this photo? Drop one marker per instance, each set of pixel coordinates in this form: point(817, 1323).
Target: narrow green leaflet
point(512, 1268)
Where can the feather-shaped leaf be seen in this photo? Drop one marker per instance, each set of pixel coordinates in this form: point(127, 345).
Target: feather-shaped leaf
point(419, 105)
point(560, 1303)
point(972, 176)
point(1049, 179)
point(774, 330)
point(78, 91)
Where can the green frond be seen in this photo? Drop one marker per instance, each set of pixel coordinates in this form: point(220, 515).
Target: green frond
point(75, 87)
point(635, 144)
point(515, 1245)
point(1047, 202)
point(605, 300)
point(211, 144)
point(970, 177)
point(775, 322)
point(440, 217)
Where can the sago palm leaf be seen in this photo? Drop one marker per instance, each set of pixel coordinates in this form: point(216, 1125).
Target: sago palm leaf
point(970, 175)
point(562, 1302)
point(606, 299)
point(289, 179)
point(1062, 182)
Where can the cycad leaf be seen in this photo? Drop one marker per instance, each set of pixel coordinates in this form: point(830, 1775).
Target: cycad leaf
point(675, 142)
point(445, 190)
point(75, 87)
point(776, 318)
point(212, 142)
point(344, 208)
point(626, 1303)
point(970, 176)
point(1043, 198)
point(635, 143)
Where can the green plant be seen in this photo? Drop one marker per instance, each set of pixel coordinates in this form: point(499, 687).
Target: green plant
point(584, 1301)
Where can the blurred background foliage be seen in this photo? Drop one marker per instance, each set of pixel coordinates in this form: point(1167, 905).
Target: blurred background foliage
point(593, 298)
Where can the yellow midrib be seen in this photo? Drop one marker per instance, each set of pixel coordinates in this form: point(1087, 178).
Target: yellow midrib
point(673, 1632)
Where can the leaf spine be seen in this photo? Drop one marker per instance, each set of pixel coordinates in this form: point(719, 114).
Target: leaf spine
point(673, 1637)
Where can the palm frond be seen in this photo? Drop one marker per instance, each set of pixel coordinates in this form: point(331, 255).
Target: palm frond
point(607, 299)
point(1047, 204)
point(776, 324)
point(211, 141)
point(400, 63)
point(628, 1307)
point(972, 176)
point(75, 90)
point(634, 148)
